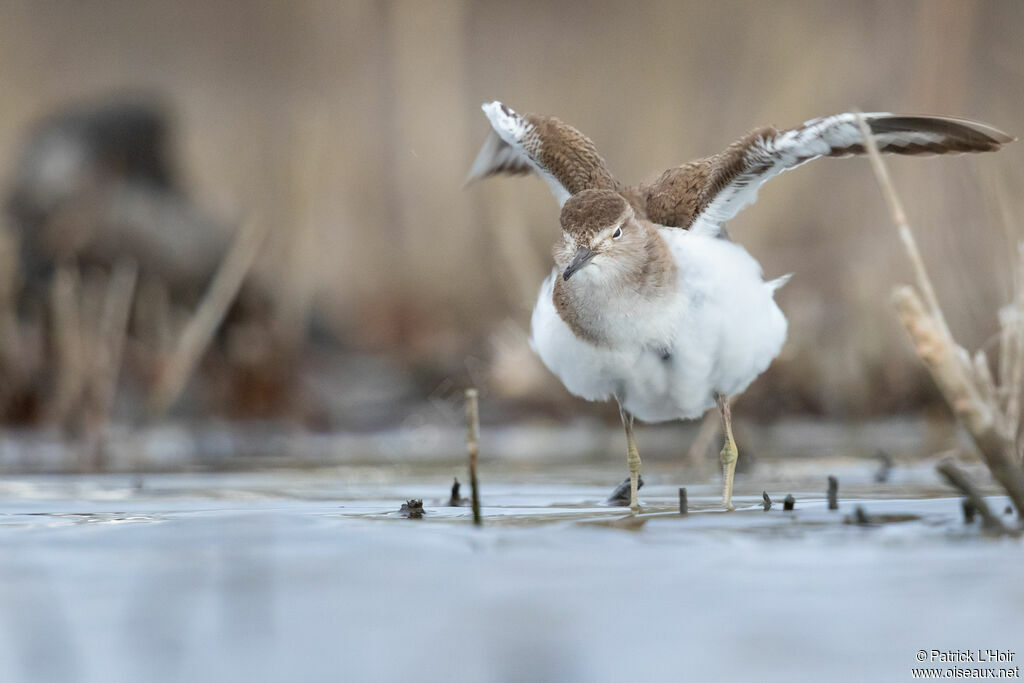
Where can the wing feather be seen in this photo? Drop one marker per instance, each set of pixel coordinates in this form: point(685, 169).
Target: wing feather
point(497, 156)
point(565, 158)
point(704, 194)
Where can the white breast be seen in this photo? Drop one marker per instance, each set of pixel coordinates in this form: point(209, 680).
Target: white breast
point(726, 329)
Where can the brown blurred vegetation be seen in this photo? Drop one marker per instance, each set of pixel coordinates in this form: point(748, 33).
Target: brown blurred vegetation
point(347, 127)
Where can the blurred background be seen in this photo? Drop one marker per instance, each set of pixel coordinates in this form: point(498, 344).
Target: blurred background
point(307, 159)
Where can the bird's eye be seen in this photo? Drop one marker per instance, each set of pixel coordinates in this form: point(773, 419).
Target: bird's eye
point(617, 234)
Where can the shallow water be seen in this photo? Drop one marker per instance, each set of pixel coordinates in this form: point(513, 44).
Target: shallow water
point(314, 576)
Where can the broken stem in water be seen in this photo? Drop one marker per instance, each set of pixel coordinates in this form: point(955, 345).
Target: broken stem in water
point(958, 479)
point(473, 448)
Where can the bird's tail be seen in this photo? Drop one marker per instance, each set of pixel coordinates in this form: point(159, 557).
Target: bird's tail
point(778, 282)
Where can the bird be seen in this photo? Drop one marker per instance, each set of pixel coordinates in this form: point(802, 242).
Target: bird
point(649, 302)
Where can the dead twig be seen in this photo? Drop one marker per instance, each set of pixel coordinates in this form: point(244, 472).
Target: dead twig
point(201, 327)
point(473, 448)
point(884, 466)
point(969, 511)
point(959, 480)
point(861, 517)
point(833, 493)
point(977, 417)
point(456, 500)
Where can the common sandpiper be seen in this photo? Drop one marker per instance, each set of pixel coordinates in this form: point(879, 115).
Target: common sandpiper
point(649, 302)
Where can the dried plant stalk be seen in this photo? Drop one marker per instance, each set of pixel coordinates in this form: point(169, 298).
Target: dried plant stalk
point(963, 383)
point(473, 448)
point(978, 417)
point(959, 480)
point(211, 311)
point(983, 377)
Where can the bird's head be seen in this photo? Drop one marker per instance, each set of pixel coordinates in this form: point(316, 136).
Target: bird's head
point(597, 225)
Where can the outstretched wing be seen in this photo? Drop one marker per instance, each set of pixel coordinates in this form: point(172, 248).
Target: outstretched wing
point(565, 158)
point(704, 194)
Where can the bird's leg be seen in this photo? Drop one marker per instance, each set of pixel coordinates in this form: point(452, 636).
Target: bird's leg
point(632, 459)
point(729, 454)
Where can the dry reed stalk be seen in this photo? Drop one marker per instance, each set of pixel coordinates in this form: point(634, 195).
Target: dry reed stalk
point(966, 385)
point(986, 384)
point(959, 480)
point(103, 337)
point(199, 330)
point(473, 448)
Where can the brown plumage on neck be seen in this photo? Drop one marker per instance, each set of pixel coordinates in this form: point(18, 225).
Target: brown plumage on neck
point(632, 270)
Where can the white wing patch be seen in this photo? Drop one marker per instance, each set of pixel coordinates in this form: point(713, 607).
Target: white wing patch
point(507, 149)
point(768, 157)
point(509, 125)
point(561, 194)
point(496, 155)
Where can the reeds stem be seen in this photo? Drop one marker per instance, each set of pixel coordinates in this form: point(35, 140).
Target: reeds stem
point(208, 316)
point(959, 480)
point(473, 449)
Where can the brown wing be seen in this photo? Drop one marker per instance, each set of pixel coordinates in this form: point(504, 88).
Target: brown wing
point(565, 158)
point(704, 194)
